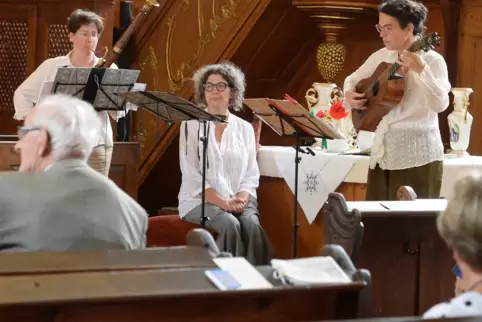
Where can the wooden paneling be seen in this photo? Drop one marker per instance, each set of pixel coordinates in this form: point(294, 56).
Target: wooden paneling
point(470, 67)
point(123, 169)
point(32, 31)
point(276, 203)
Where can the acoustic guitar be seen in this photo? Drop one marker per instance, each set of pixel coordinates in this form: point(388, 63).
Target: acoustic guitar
point(385, 88)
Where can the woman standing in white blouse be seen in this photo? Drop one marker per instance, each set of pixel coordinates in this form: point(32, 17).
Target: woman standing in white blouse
point(407, 147)
point(460, 226)
point(84, 28)
point(232, 174)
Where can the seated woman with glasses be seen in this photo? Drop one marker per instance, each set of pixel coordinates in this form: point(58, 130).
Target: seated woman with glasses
point(232, 174)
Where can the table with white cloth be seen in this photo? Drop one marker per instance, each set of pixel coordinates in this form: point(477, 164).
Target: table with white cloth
point(319, 175)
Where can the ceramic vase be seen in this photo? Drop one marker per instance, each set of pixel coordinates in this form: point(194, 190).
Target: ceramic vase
point(460, 121)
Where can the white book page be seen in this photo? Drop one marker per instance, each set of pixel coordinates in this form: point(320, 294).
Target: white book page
point(312, 270)
point(245, 273)
point(45, 90)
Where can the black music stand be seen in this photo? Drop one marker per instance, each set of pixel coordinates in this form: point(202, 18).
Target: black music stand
point(289, 118)
point(172, 108)
point(96, 85)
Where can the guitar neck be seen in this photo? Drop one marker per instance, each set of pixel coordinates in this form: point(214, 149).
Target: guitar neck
point(416, 46)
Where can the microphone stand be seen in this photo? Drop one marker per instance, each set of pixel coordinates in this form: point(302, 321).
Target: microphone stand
point(204, 140)
point(296, 226)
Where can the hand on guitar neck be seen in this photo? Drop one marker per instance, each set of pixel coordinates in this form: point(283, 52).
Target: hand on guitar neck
point(410, 61)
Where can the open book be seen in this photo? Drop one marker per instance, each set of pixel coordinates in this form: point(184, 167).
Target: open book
point(312, 270)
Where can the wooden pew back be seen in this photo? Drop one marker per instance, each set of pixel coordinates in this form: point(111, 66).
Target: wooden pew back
point(29, 263)
point(171, 294)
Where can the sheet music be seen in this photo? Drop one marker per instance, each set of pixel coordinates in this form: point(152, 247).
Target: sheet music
point(258, 106)
point(245, 273)
point(114, 81)
point(312, 270)
point(67, 77)
point(45, 90)
point(272, 112)
point(168, 106)
point(72, 81)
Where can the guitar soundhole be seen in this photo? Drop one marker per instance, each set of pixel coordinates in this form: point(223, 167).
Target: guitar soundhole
point(375, 88)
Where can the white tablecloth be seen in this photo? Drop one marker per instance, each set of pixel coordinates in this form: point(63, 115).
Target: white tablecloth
point(321, 174)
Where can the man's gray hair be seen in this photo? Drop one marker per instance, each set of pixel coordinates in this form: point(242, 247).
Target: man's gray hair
point(233, 76)
point(73, 125)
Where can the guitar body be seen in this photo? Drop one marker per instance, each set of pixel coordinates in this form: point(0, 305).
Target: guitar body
point(383, 93)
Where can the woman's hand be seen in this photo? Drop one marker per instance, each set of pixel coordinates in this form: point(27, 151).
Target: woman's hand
point(233, 205)
point(237, 205)
point(409, 60)
point(356, 100)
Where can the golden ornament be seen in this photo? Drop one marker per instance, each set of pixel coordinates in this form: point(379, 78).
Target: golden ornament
point(330, 58)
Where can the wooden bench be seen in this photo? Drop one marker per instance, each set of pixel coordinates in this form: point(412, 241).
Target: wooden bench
point(28, 263)
point(404, 253)
point(177, 294)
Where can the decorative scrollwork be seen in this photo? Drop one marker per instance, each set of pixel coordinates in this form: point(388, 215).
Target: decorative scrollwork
point(151, 62)
point(178, 77)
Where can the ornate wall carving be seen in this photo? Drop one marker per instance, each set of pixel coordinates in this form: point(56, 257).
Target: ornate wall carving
point(174, 51)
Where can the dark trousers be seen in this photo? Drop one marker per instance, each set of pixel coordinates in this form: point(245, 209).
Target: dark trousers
point(425, 180)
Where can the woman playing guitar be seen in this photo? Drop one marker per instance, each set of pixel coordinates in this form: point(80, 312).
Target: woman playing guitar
point(407, 147)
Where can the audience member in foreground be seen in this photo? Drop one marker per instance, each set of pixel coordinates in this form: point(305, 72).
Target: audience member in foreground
point(461, 228)
point(57, 202)
point(232, 174)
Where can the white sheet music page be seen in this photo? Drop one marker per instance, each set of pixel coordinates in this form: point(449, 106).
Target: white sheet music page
point(245, 273)
point(45, 90)
point(312, 270)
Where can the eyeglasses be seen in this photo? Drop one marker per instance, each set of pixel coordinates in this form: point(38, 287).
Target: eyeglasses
point(209, 87)
point(386, 28)
point(23, 130)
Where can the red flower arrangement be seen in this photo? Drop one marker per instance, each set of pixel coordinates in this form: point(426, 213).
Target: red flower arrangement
point(337, 111)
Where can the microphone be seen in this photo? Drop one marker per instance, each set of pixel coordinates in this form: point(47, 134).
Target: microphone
point(201, 237)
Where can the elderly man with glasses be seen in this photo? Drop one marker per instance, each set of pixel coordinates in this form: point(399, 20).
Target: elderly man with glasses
point(57, 202)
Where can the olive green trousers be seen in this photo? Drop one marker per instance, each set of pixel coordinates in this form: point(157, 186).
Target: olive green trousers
point(425, 180)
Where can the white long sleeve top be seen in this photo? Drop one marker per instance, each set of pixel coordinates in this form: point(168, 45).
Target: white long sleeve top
point(26, 95)
point(409, 135)
point(231, 165)
point(465, 305)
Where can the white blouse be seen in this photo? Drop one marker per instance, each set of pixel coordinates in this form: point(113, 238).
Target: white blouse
point(409, 135)
point(466, 305)
point(231, 165)
point(27, 93)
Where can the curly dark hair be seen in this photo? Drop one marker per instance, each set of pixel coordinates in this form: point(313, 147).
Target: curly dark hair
point(406, 12)
point(233, 76)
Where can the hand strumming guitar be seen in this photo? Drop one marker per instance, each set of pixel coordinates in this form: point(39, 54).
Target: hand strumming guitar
point(356, 100)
